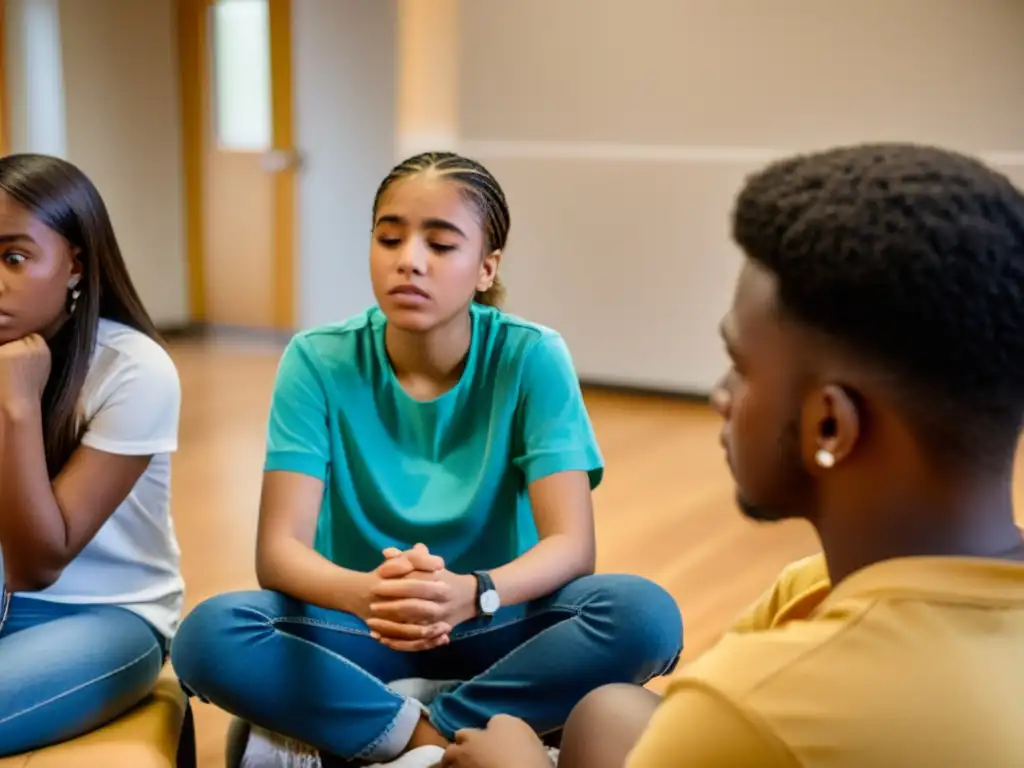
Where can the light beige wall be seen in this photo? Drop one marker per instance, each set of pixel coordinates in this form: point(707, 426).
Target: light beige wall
point(345, 101)
point(123, 130)
point(428, 46)
point(95, 82)
point(621, 132)
point(33, 76)
point(345, 97)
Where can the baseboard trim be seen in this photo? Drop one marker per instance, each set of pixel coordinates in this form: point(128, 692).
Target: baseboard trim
point(681, 395)
point(220, 332)
point(179, 331)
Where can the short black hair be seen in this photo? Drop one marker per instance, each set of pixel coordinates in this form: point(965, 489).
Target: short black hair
point(912, 257)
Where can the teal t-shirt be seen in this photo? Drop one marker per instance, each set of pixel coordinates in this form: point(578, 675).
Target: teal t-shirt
point(452, 472)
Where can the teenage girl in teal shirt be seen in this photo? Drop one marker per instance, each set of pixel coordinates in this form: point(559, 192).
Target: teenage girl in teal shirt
point(426, 512)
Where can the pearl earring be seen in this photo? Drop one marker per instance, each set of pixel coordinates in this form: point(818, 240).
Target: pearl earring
point(73, 295)
point(825, 459)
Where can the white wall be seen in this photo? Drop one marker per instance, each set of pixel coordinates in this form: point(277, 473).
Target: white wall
point(621, 132)
point(345, 93)
point(96, 82)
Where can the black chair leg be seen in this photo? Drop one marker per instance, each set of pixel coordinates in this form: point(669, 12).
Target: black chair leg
point(187, 757)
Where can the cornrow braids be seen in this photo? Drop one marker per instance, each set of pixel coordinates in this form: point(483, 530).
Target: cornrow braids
point(478, 186)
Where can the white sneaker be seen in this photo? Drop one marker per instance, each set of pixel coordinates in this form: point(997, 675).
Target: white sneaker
point(421, 757)
point(266, 749)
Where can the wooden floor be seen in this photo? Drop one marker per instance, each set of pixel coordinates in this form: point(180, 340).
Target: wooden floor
point(665, 509)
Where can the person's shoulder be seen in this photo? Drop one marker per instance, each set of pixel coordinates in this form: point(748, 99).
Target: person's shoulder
point(131, 397)
point(722, 708)
point(804, 575)
point(337, 344)
point(511, 328)
point(826, 642)
point(798, 589)
point(517, 341)
point(524, 354)
point(123, 351)
point(329, 336)
point(804, 681)
point(742, 662)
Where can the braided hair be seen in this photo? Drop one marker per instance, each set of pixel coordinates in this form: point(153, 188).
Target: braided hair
point(478, 186)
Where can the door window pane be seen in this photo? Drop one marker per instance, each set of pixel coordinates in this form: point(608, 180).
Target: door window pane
point(241, 63)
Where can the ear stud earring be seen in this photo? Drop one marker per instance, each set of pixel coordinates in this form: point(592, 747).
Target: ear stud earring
point(825, 459)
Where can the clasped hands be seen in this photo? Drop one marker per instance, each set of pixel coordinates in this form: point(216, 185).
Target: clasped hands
point(414, 602)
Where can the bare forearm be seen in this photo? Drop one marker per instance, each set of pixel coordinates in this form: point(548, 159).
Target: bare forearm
point(547, 567)
point(33, 531)
point(295, 569)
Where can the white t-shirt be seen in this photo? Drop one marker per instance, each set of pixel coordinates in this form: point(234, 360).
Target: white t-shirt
point(130, 402)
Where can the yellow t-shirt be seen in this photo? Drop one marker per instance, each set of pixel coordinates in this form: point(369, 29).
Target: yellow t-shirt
point(910, 662)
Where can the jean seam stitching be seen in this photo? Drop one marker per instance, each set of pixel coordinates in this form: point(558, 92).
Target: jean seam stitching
point(576, 613)
point(272, 623)
point(573, 610)
point(366, 751)
point(79, 687)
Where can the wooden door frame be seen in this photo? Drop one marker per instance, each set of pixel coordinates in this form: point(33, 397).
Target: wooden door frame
point(5, 102)
point(195, 93)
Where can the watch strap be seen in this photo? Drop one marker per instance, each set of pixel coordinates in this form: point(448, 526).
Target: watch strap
point(484, 583)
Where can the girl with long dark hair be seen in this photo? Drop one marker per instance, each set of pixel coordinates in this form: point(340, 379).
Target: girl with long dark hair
point(89, 404)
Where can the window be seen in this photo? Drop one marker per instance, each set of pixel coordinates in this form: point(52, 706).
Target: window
point(241, 65)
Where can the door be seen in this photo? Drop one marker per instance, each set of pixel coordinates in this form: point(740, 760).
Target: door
point(4, 103)
point(241, 162)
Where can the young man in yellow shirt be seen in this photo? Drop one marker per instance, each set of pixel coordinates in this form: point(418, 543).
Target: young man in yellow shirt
point(876, 391)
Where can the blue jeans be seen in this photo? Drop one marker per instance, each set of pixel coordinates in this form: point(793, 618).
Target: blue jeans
point(316, 675)
point(68, 669)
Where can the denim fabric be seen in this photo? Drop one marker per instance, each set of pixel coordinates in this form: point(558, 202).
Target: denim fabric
point(317, 676)
point(68, 669)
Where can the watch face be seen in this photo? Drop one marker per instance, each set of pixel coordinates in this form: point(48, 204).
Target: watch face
point(489, 601)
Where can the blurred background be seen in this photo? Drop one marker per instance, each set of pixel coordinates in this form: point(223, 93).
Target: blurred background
point(239, 143)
